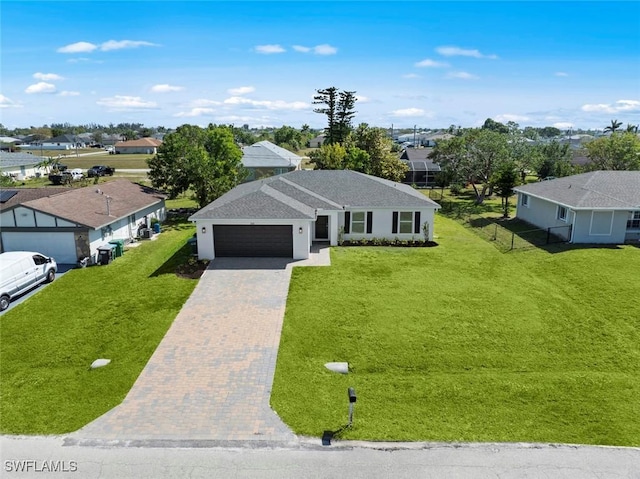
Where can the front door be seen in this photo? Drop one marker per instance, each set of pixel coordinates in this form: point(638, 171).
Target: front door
point(322, 228)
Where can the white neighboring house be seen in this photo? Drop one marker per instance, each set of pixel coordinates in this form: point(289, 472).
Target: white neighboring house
point(69, 224)
point(265, 159)
point(20, 165)
point(594, 207)
point(61, 142)
point(283, 215)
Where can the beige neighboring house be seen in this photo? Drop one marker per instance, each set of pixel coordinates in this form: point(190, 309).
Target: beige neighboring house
point(147, 146)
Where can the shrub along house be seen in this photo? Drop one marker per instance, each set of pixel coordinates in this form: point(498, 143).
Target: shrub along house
point(283, 215)
point(595, 207)
point(73, 224)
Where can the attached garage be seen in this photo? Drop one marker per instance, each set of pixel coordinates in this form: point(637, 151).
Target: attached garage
point(253, 240)
point(61, 246)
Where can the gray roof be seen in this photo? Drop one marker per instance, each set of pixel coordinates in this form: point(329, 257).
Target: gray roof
point(9, 160)
point(265, 154)
point(297, 195)
point(593, 190)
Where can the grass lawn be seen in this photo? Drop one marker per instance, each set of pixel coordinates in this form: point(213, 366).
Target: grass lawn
point(129, 161)
point(464, 343)
point(119, 312)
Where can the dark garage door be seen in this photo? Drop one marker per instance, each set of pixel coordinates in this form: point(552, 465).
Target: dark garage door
point(253, 240)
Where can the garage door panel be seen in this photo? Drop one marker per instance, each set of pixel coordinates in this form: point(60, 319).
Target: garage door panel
point(253, 240)
point(61, 246)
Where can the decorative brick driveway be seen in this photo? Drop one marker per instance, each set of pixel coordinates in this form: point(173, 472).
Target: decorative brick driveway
point(210, 378)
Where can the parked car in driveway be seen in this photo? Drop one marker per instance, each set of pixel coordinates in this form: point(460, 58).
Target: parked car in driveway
point(22, 270)
point(100, 170)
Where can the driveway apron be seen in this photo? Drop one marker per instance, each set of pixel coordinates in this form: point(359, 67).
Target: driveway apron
point(210, 378)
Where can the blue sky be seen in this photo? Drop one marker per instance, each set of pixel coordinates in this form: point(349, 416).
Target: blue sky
point(430, 64)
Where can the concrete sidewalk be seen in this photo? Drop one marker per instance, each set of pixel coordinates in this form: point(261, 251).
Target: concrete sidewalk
point(210, 378)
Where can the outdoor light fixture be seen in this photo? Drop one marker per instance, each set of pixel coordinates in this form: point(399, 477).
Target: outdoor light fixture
point(204, 229)
point(300, 230)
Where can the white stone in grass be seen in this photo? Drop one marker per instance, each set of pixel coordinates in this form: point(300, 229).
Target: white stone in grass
point(98, 363)
point(342, 368)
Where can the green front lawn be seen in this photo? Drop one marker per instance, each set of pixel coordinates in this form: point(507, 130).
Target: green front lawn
point(119, 312)
point(463, 343)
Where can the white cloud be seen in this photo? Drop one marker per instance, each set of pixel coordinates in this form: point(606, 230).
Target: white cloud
point(618, 106)
point(561, 74)
point(47, 76)
point(6, 102)
point(165, 88)
point(362, 99)
point(462, 76)
point(124, 103)
point(428, 63)
point(41, 87)
point(408, 112)
point(510, 117)
point(194, 112)
point(78, 47)
point(411, 75)
point(325, 49)
point(267, 104)
point(69, 93)
point(83, 60)
point(243, 90)
point(122, 44)
point(563, 125)
point(451, 51)
point(269, 49)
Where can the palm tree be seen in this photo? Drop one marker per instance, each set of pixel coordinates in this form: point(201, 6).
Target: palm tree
point(615, 124)
point(632, 128)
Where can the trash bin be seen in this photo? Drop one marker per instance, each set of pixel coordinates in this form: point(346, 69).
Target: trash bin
point(156, 228)
point(119, 247)
point(193, 243)
point(105, 254)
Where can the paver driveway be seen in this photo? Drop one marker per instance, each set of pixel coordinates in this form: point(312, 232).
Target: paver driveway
point(210, 378)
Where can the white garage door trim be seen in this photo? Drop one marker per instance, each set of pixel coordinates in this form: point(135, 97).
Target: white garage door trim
point(61, 246)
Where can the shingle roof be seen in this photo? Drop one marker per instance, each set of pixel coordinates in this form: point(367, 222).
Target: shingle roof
point(8, 159)
point(88, 206)
point(265, 154)
point(27, 194)
point(297, 194)
point(142, 142)
point(593, 190)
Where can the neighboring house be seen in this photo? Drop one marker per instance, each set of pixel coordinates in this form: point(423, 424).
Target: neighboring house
point(73, 224)
point(8, 143)
point(264, 159)
point(111, 140)
point(595, 207)
point(318, 141)
point(61, 142)
point(283, 215)
point(422, 171)
point(20, 165)
point(148, 146)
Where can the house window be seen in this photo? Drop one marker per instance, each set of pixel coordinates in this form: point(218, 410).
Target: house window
point(634, 221)
point(524, 200)
point(358, 222)
point(405, 222)
point(562, 213)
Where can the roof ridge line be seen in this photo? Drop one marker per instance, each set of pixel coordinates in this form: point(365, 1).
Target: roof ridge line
point(287, 200)
point(309, 192)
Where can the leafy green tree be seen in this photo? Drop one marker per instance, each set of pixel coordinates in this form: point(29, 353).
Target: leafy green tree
point(552, 159)
point(377, 144)
point(549, 132)
point(338, 106)
point(207, 161)
point(616, 152)
point(289, 136)
point(490, 124)
point(330, 156)
point(504, 180)
point(97, 137)
point(632, 128)
point(615, 124)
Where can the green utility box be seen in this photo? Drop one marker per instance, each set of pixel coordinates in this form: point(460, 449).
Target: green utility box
point(119, 247)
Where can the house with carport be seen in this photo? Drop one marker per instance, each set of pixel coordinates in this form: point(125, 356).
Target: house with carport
point(595, 207)
point(70, 224)
point(282, 216)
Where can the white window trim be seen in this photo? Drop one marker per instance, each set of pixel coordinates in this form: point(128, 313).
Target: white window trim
point(400, 222)
point(613, 214)
point(364, 223)
point(524, 200)
point(634, 216)
point(566, 214)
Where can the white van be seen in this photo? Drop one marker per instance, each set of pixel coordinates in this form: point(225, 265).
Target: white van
point(22, 270)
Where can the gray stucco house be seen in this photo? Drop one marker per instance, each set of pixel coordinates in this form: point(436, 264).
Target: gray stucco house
point(595, 207)
point(283, 215)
